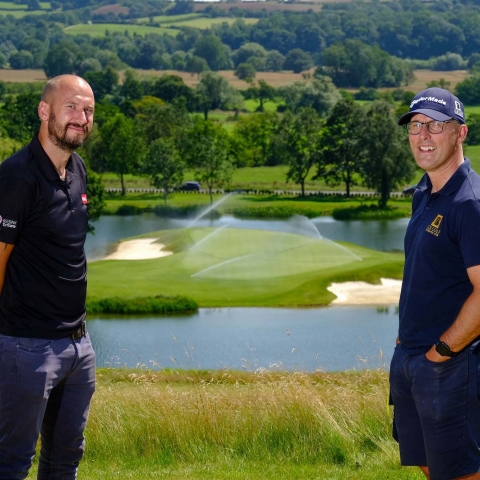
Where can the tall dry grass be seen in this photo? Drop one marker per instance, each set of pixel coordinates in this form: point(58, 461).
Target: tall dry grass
point(170, 417)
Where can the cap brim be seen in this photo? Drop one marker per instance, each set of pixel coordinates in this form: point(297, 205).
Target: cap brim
point(433, 114)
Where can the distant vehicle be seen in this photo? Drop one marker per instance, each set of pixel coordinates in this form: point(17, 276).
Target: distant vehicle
point(189, 187)
point(409, 190)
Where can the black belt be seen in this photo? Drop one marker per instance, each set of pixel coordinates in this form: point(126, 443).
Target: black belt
point(81, 332)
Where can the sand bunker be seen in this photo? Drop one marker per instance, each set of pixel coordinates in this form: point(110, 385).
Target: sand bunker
point(362, 293)
point(140, 249)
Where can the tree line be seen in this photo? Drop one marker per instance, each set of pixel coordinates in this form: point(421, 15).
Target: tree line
point(147, 128)
point(369, 44)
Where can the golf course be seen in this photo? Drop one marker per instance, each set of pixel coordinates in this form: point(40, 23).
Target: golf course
point(228, 267)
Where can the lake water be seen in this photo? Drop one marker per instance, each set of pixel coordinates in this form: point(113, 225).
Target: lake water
point(329, 338)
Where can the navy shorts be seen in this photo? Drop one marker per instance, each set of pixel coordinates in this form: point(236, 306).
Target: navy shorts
point(437, 411)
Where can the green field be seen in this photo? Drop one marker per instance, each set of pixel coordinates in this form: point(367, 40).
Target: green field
point(170, 18)
point(168, 25)
point(240, 267)
point(20, 10)
point(99, 29)
point(194, 20)
point(271, 106)
point(469, 110)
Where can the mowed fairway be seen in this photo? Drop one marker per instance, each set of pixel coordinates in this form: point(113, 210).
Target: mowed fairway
point(241, 267)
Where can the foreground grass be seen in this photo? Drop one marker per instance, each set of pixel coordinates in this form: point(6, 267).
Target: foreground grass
point(238, 425)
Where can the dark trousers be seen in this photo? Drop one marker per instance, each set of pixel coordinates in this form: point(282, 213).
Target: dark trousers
point(45, 388)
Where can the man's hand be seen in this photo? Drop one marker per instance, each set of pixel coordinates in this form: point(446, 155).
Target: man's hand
point(5, 251)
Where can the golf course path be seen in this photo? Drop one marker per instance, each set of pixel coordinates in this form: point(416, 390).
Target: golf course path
point(362, 293)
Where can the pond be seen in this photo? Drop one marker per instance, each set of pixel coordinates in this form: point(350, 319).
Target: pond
point(329, 339)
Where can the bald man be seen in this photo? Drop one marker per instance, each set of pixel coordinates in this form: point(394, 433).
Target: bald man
point(47, 364)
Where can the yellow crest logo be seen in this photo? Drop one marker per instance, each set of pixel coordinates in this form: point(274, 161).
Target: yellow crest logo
point(434, 227)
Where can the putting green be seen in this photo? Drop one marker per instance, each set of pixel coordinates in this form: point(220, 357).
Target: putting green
point(239, 267)
point(241, 254)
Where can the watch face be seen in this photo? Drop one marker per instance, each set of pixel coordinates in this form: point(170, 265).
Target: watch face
point(443, 349)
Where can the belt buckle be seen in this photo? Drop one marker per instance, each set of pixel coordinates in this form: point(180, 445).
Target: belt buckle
point(81, 332)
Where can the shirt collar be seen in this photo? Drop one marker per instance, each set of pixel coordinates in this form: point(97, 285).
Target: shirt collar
point(453, 184)
point(46, 164)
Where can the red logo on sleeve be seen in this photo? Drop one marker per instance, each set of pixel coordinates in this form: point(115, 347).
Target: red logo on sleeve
point(84, 198)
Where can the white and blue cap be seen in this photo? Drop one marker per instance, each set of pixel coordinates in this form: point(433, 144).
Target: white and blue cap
point(436, 103)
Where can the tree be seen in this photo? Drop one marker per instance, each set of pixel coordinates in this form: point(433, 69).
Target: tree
point(263, 93)
point(8, 146)
point(473, 137)
point(387, 159)
point(196, 65)
point(274, 61)
point(131, 88)
point(252, 139)
point(441, 83)
point(355, 64)
point(172, 87)
point(320, 94)
point(102, 83)
point(449, 61)
point(62, 58)
point(164, 166)
point(298, 61)
point(245, 71)
point(19, 116)
point(469, 90)
point(248, 51)
point(121, 147)
point(21, 60)
point(207, 152)
point(298, 143)
point(213, 51)
point(155, 119)
point(341, 153)
point(214, 91)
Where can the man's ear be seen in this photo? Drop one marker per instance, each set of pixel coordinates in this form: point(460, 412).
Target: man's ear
point(462, 133)
point(43, 110)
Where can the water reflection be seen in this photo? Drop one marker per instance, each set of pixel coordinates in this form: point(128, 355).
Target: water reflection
point(329, 339)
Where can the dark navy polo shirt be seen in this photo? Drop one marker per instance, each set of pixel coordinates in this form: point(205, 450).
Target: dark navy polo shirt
point(441, 242)
point(46, 219)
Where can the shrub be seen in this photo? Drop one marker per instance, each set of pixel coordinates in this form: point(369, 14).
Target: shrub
point(139, 305)
point(367, 212)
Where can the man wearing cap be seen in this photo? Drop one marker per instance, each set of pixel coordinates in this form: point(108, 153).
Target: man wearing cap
point(434, 373)
point(47, 364)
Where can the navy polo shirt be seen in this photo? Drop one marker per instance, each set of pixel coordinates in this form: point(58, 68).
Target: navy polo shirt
point(441, 242)
point(46, 219)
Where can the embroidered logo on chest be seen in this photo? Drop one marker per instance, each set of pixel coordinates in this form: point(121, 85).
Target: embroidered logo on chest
point(434, 227)
point(84, 198)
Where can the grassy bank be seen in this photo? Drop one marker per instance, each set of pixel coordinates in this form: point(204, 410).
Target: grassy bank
point(237, 425)
point(250, 205)
point(241, 267)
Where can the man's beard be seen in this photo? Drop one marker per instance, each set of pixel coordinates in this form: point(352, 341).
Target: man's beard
point(58, 134)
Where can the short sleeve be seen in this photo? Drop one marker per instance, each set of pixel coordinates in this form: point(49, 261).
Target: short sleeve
point(14, 201)
point(468, 232)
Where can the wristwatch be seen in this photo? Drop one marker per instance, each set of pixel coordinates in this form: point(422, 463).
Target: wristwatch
point(443, 349)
